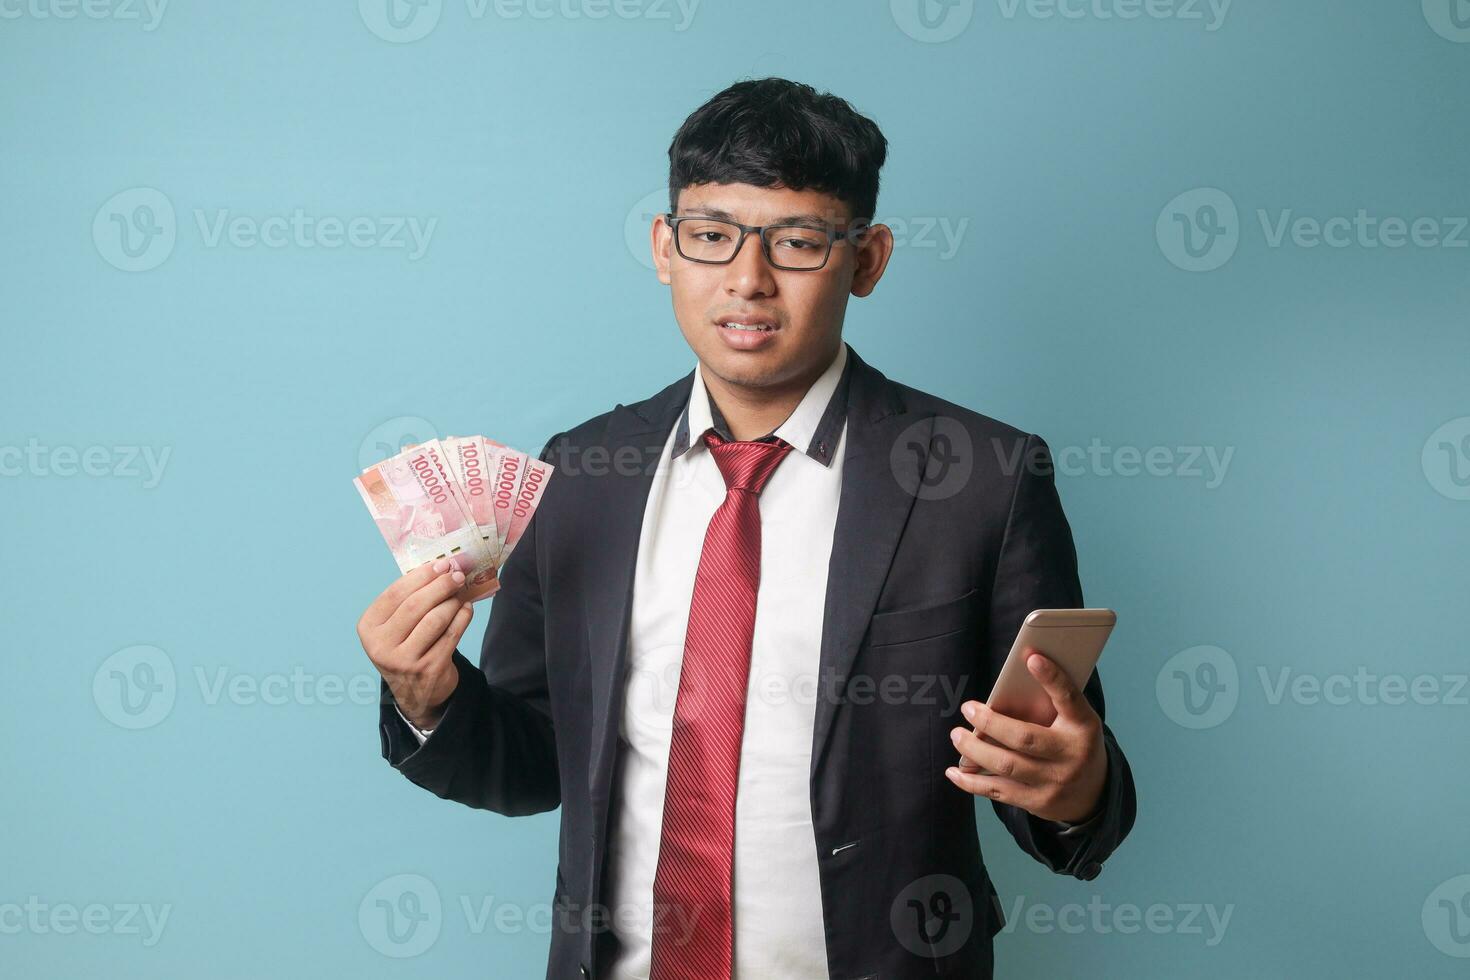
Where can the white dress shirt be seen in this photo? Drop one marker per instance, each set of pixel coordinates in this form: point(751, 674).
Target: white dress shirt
point(778, 923)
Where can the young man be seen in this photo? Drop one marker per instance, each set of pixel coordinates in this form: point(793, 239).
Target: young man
point(749, 630)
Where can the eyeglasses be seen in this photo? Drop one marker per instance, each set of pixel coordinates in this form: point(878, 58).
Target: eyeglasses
point(714, 241)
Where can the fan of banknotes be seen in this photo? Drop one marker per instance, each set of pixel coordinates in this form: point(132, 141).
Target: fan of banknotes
point(464, 498)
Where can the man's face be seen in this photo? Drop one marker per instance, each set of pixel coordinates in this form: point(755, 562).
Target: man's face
point(803, 310)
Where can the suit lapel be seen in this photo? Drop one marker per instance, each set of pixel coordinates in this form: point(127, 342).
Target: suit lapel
point(638, 432)
point(871, 513)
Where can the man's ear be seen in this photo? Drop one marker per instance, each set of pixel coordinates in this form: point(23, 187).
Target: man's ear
point(661, 240)
point(874, 249)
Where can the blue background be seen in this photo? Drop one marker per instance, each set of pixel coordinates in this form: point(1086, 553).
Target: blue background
point(1336, 539)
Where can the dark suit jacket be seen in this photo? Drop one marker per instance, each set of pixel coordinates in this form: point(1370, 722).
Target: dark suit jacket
point(933, 568)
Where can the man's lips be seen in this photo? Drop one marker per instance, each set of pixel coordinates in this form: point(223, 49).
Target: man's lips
point(747, 324)
point(746, 333)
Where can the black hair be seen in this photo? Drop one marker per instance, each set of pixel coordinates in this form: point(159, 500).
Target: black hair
point(771, 131)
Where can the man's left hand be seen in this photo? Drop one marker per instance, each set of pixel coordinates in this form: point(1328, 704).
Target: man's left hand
point(1056, 771)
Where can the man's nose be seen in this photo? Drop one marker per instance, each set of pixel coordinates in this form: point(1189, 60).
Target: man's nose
point(748, 273)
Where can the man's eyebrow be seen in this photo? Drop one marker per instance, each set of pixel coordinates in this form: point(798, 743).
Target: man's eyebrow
point(804, 218)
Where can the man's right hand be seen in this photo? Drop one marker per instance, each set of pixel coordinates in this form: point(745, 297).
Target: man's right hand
point(410, 632)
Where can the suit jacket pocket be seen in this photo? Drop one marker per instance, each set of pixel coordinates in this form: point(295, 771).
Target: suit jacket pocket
point(923, 623)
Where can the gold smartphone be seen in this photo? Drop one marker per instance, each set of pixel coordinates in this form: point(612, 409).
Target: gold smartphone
point(1072, 638)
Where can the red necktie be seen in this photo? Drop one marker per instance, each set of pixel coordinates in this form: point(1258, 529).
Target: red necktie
point(694, 881)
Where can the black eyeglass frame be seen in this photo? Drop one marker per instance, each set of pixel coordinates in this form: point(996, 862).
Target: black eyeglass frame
point(833, 237)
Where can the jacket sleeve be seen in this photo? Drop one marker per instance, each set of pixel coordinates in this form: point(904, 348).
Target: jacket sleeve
point(1037, 569)
point(495, 747)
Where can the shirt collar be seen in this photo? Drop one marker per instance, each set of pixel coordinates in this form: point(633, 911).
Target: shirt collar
point(815, 423)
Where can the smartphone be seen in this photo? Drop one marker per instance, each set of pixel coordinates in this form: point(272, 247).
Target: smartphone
point(1073, 638)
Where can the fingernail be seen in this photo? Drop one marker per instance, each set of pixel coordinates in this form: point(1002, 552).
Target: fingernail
point(468, 605)
point(956, 734)
point(968, 710)
point(457, 576)
point(441, 566)
point(951, 772)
